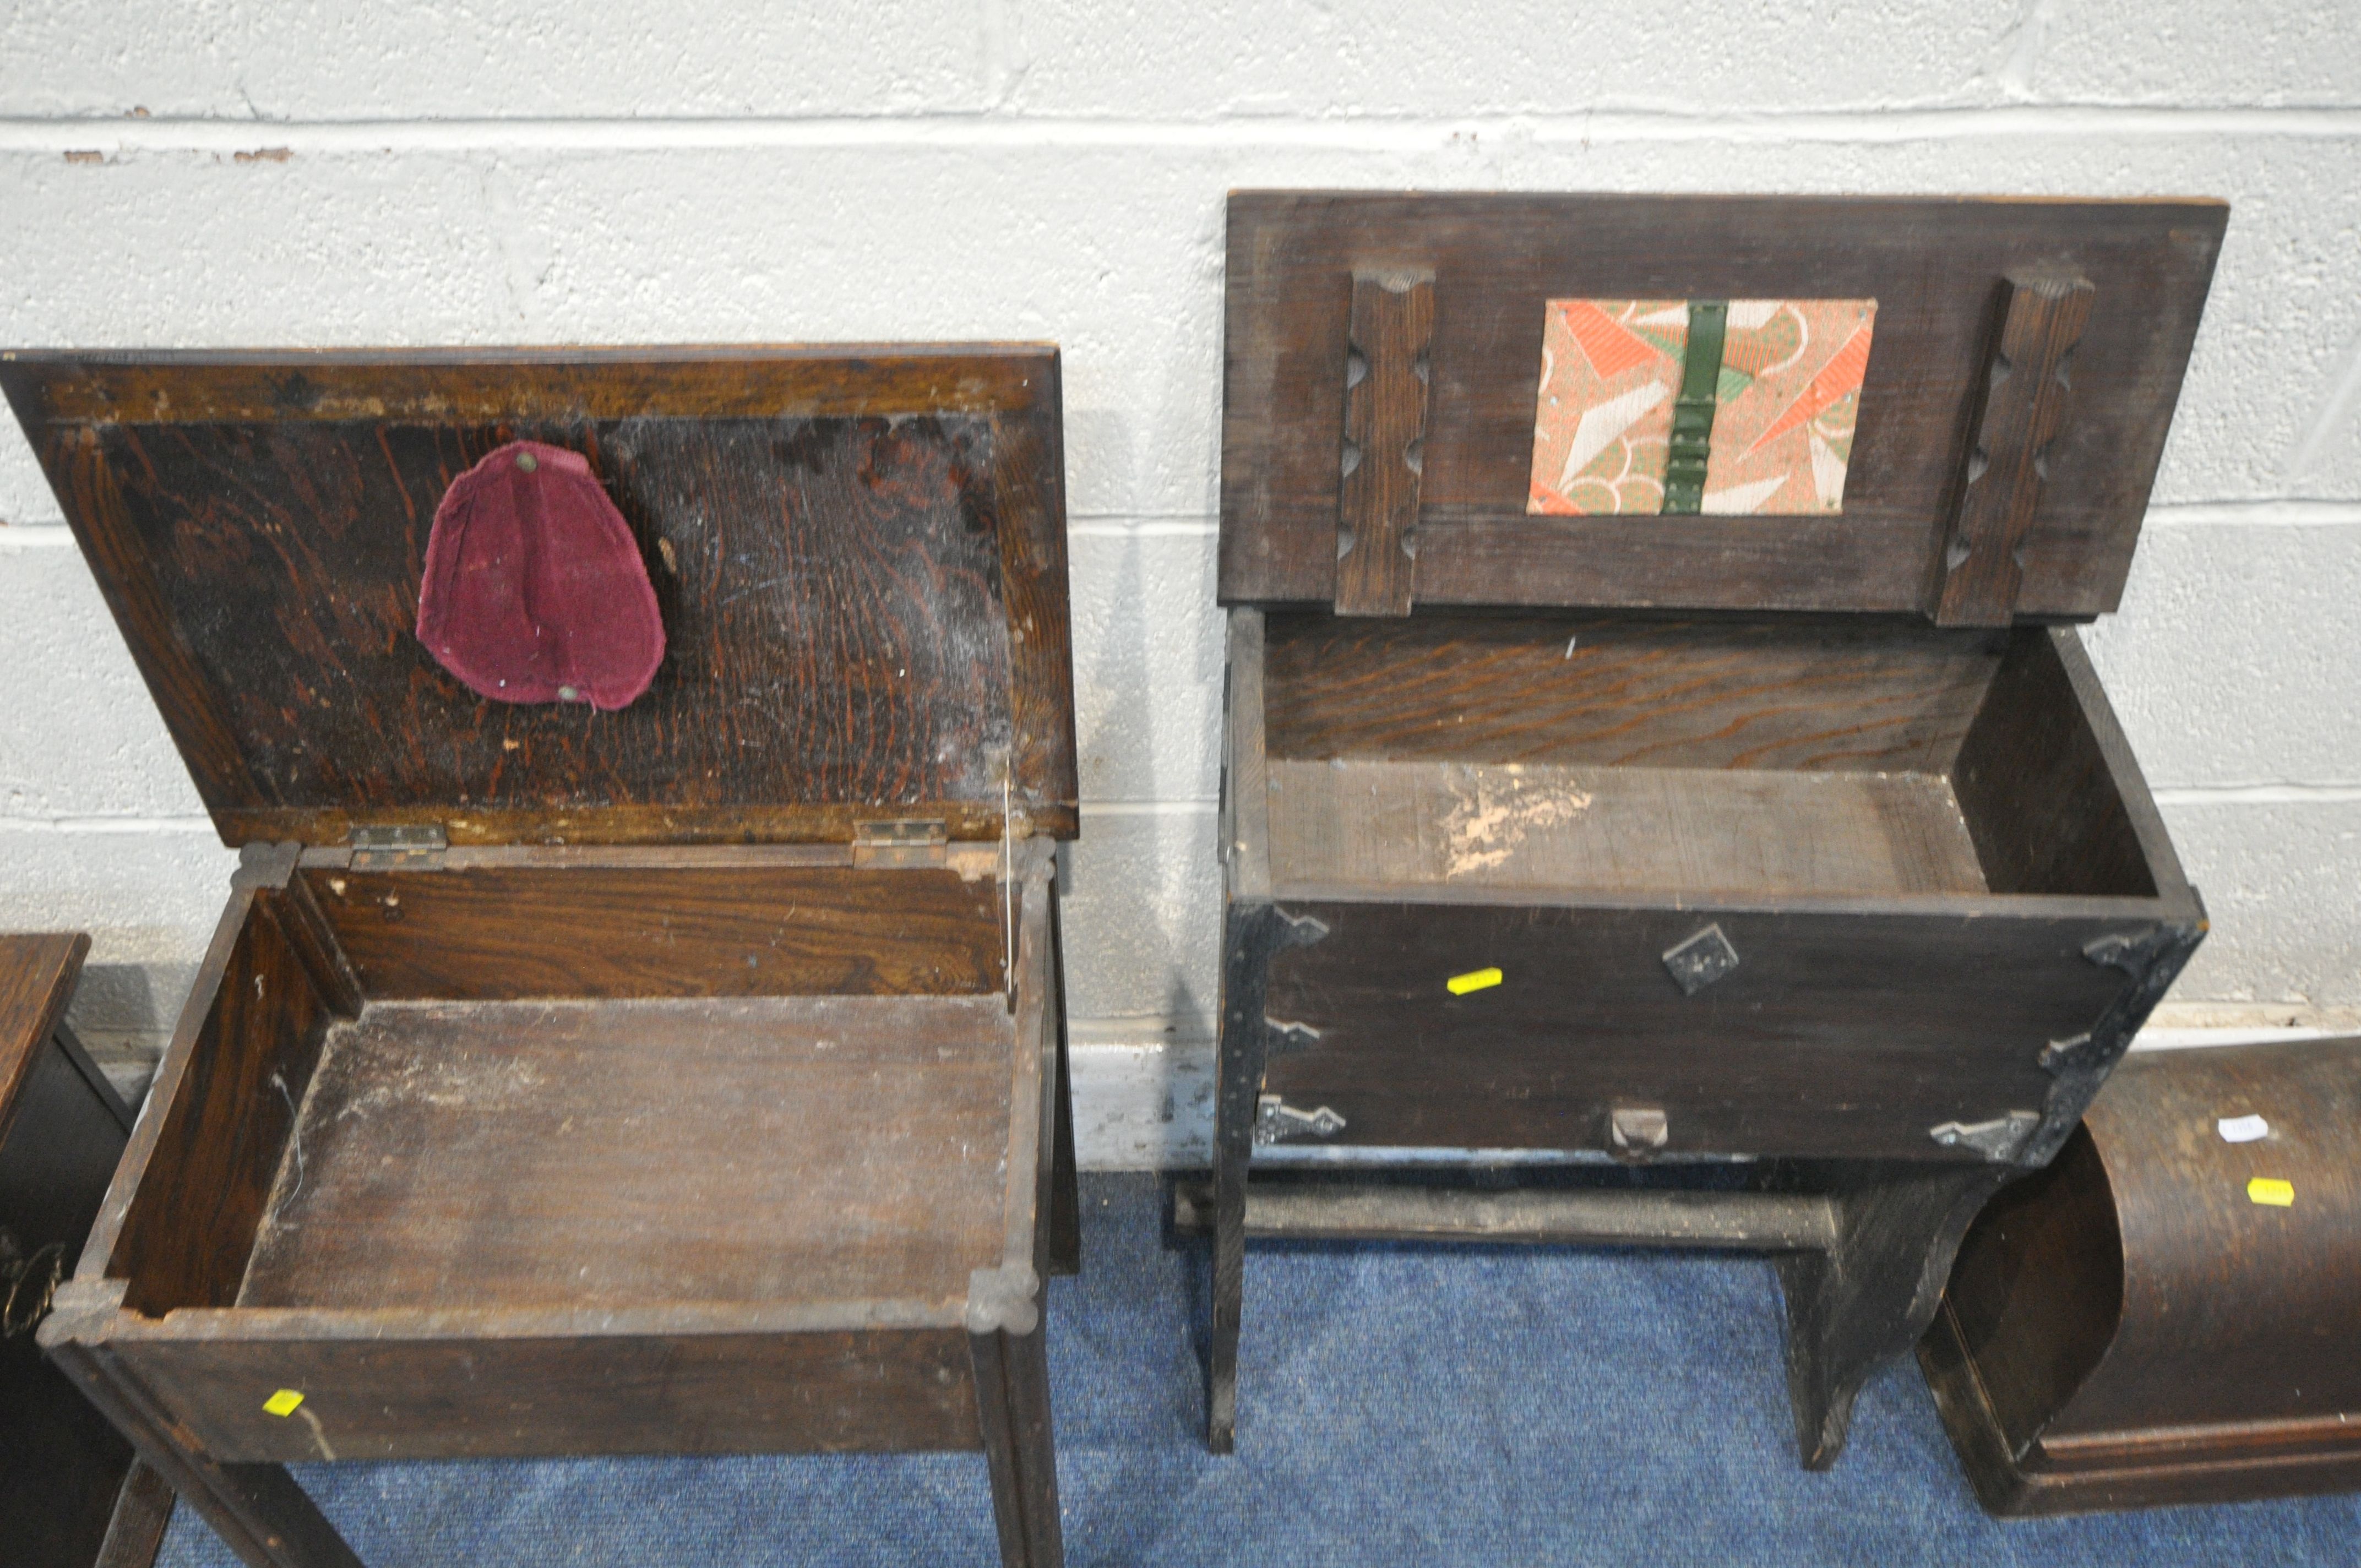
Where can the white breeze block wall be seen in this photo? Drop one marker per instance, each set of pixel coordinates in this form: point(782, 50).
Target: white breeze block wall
point(280, 172)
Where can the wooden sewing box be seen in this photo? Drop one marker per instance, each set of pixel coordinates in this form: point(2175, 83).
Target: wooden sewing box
point(685, 1079)
point(2170, 1313)
point(1769, 882)
point(71, 1495)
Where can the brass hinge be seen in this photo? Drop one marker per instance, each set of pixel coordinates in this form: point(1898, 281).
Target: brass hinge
point(901, 843)
point(405, 848)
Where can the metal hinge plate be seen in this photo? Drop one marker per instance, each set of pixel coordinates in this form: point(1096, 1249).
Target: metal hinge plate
point(409, 849)
point(1998, 1139)
point(1277, 1121)
point(903, 842)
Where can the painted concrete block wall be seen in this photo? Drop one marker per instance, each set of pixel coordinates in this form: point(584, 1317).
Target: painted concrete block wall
point(320, 173)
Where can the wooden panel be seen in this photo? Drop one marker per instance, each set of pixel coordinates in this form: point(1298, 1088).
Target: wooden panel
point(1385, 418)
point(838, 586)
point(523, 1154)
point(37, 981)
point(490, 1398)
point(2053, 794)
point(1932, 264)
point(2037, 1289)
point(1624, 691)
point(2018, 413)
point(1837, 1033)
point(226, 1111)
point(508, 933)
point(1736, 831)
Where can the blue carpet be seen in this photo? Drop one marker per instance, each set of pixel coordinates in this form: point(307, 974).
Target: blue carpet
point(1399, 1405)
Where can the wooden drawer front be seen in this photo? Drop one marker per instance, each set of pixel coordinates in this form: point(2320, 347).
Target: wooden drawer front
point(886, 1389)
point(1836, 1034)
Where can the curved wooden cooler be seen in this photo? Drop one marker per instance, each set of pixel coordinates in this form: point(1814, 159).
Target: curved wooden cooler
point(2135, 1327)
point(683, 1079)
point(1797, 859)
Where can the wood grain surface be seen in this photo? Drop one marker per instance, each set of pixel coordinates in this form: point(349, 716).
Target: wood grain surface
point(497, 1397)
point(37, 981)
point(1855, 1034)
point(458, 1154)
point(509, 933)
point(2130, 1328)
point(1933, 265)
point(2019, 411)
point(1624, 691)
point(2052, 793)
point(1385, 420)
point(205, 1179)
point(839, 580)
point(2230, 1307)
point(1733, 831)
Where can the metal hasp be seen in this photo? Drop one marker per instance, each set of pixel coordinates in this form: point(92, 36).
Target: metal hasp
point(1700, 960)
point(2019, 411)
point(407, 848)
point(1380, 464)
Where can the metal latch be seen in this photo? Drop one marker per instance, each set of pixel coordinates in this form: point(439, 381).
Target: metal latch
point(406, 848)
point(901, 843)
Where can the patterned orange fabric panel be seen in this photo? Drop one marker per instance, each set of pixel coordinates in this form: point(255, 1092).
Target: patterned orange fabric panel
point(1785, 404)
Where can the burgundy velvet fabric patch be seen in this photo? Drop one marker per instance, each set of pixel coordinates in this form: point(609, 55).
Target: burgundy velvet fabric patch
point(535, 587)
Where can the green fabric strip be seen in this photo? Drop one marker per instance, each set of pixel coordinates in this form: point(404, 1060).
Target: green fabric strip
point(1693, 409)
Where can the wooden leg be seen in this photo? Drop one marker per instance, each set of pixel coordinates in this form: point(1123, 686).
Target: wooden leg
point(1252, 935)
point(143, 1507)
point(1065, 1186)
point(1239, 1079)
point(1012, 1390)
point(256, 1510)
point(1868, 1299)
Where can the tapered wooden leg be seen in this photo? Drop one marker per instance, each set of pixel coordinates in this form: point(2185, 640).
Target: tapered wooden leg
point(1065, 1184)
point(1239, 1079)
point(1012, 1390)
point(1869, 1297)
point(1252, 935)
point(134, 1532)
point(1229, 1302)
point(256, 1510)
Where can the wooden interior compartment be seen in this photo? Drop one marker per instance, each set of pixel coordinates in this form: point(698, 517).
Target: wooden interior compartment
point(590, 1085)
point(1623, 754)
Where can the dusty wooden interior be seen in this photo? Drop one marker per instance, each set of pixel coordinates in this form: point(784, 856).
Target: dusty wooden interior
point(1622, 753)
point(505, 1085)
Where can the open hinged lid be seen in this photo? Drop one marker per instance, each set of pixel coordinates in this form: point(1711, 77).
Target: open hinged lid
point(1954, 407)
point(857, 556)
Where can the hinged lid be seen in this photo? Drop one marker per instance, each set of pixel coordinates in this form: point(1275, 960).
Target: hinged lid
point(858, 555)
point(1384, 396)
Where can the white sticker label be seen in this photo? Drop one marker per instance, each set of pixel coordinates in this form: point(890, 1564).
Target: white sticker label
point(2242, 1129)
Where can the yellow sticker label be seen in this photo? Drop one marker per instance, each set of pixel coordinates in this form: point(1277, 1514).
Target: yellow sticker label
point(1474, 980)
point(283, 1402)
point(2270, 1189)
